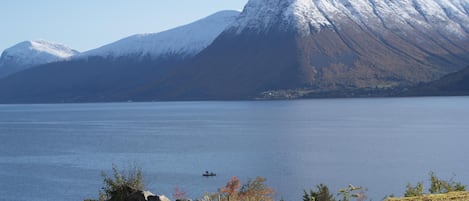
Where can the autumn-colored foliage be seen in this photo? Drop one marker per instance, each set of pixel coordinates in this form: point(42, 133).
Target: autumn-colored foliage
point(179, 194)
point(253, 190)
point(256, 190)
point(232, 187)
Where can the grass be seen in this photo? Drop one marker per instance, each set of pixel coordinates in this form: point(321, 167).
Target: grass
point(451, 196)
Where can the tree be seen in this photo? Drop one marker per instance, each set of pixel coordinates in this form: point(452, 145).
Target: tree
point(308, 196)
point(322, 194)
point(256, 190)
point(253, 190)
point(230, 191)
point(351, 192)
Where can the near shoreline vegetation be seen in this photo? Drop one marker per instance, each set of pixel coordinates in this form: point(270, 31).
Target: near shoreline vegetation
point(127, 185)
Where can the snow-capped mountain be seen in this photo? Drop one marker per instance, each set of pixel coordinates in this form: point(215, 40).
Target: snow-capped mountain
point(32, 53)
point(269, 15)
point(448, 16)
point(331, 45)
point(184, 41)
point(289, 47)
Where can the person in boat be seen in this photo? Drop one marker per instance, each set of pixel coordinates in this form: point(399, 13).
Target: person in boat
point(208, 174)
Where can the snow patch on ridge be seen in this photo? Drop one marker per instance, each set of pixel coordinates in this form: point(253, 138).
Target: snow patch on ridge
point(262, 15)
point(186, 40)
point(32, 53)
point(40, 50)
point(304, 13)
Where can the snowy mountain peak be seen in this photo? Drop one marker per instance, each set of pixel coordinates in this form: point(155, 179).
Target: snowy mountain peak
point(286, 15)
point(40, 47)
point(186, 40)
point(307, 16)
point(32, 53)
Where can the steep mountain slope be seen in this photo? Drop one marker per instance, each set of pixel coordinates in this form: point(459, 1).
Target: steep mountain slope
point(32, 53)
point(312, 46)
point(454, 84)
point(184, 41)
point(324, 45)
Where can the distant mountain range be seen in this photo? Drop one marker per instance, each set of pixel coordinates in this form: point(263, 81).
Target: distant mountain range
point(306, 47)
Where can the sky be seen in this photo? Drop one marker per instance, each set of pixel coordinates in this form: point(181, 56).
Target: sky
point(88, 24)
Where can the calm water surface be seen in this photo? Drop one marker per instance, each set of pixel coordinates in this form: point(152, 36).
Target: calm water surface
point(57, 152)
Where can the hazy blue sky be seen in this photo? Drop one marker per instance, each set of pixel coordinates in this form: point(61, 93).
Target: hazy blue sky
point(87, 24)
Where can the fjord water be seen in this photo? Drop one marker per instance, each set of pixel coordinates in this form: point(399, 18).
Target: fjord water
point(58, 151)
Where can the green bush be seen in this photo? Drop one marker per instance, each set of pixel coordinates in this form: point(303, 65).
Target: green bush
point(118, 186)
point(414, 191)
point(443, 186)
point(438, 186)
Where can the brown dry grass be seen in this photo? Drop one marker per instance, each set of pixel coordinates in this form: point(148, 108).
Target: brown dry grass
point(452, 196)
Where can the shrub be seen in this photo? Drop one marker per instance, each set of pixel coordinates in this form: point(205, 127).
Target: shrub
point(118, 186)
point(179, 194)
point(438, 186)
point(442, 186)
point(253, 190)
point(414, 191)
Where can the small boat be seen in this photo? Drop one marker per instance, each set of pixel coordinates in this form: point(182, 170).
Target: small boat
point(209, 174)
